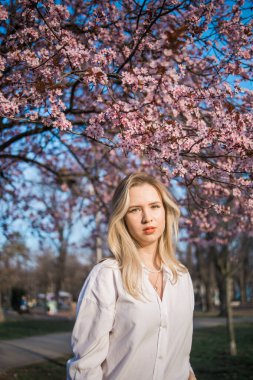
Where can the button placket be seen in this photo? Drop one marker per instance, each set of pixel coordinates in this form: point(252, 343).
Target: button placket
point(162, 330)
point(161, 336)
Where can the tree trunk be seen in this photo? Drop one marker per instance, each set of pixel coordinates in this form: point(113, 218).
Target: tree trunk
point(223, 300)
point(243, 291)
point(60, 271)
point(224, 277)
point(209, 297)
point(243, 281)
point(210, 285)
point(220, 265)
point(1, 310)
point(230, 321)
point(99, 253)
point(205, 267)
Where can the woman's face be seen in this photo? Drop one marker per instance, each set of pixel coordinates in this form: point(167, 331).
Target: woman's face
point(145, 218)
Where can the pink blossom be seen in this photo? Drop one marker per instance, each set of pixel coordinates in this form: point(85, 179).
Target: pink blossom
point(3, 13)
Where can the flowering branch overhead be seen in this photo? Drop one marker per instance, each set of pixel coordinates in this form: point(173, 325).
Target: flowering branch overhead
point(166, 80)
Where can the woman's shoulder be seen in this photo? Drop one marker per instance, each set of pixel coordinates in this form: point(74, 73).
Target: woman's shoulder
point(185, 275)
point(184, 272)
point(106, 265)
point(108, 262)
point(100, 285)
point(179, 268)
point(177, 272)
point(103, 270)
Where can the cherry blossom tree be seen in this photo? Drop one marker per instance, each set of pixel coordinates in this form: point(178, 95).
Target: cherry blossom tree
point(162, 79)
point(220, 233)
point(168, 81)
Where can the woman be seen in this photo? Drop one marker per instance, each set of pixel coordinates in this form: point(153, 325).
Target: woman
point(135, 312)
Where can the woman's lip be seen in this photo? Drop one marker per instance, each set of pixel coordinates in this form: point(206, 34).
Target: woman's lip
point(149, 230)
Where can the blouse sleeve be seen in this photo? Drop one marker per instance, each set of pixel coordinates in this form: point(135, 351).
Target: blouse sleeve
point(192, 301)
point(192, 298)
point(95, 316)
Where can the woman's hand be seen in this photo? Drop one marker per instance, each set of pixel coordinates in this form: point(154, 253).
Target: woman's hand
point(191, 376)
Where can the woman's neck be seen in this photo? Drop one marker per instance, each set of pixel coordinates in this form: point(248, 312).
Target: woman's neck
point(149, 257)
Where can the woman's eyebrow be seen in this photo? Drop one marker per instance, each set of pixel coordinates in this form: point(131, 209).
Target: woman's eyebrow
point(151, 203)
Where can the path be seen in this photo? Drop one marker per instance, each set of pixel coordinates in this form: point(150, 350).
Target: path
point(16, 353)
point(21, 352)
point(218, 321)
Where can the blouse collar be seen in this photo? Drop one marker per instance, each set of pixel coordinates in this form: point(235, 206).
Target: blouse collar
point(166, 269)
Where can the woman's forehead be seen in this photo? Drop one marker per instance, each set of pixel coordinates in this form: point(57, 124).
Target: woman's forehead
point(145, 193)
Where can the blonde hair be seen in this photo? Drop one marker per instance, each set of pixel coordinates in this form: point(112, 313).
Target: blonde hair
point(124, 247)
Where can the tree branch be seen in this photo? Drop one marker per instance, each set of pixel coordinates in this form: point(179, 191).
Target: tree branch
point(20, 136)
point(29, 160)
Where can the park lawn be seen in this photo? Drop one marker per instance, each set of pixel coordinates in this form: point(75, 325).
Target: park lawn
point(28, 327)
point(209, 359)
point(51, 370)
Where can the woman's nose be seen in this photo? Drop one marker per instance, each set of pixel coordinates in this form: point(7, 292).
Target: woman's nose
point(146, 217)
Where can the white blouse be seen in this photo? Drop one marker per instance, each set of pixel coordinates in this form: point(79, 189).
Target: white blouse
point(117, 337)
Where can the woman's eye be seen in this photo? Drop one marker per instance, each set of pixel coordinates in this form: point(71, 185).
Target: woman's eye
point(134, 210)
point(156, 206)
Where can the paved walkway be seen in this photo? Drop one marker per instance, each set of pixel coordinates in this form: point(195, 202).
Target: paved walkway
point(21, 352)
point(218, 321)
point(16, 353)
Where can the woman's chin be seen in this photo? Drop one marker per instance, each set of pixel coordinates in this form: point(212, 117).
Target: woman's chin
point(147, 240)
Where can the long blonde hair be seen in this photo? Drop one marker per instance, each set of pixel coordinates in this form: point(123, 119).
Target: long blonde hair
point(123, 246)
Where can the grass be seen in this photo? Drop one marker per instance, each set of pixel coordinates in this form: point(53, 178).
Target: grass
point(210, 358)
point(28, 327)
point(54, 370)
